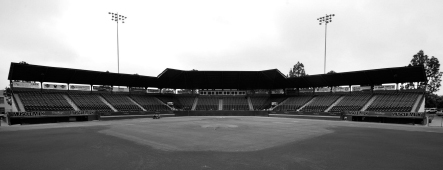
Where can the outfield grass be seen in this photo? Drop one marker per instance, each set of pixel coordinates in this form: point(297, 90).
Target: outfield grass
point(220, 143)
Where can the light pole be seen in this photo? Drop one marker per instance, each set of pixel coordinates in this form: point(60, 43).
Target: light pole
point(117, 18)
point(326, 19)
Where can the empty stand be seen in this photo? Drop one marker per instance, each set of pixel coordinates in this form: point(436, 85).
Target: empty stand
point(121, 102)
point(86, 101)
point(259, 102)
point(186, 102)
point(393, 102)
point(235, 103)
point(352, 102)
point(150, 103)
point(207, 103)
point(293, 103)
point(166, 98)
point(37, 101)
point(320, 103)
point(268, 103)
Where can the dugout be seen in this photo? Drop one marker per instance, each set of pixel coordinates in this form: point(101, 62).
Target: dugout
point(50, 117)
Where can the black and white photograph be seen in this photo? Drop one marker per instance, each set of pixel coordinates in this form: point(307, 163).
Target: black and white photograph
point(221, 84)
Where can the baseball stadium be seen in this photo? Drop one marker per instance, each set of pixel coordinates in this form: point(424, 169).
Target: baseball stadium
point(65, 118)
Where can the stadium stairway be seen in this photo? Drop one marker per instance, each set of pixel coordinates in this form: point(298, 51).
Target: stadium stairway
point(130, 99)
point(70, 102)
point(283, 102)
point(106, 102)
point(20, 108)
point(335, 103)
point(160, 101)
point(307, 103)
point(251, 108)
point(416, 106)
point(368, 103)
point(14, 106)
point(195, 103)
point(220, 104)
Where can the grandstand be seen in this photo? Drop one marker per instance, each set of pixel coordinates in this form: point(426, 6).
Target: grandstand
point(221, 91)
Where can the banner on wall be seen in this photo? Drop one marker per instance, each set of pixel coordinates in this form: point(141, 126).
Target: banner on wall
point(25, 85)
point(101, 88)
point(323, 89)
point(357, 88)
point(365, 88)
point(137, 90)
point(389, 87)
point(118, 89)
point(153, 90)
point(55, 86)
point(51, 113)
point(379, 87)
point(79, 87)
point(305, 90)
point(340, 89)
point(386, 114)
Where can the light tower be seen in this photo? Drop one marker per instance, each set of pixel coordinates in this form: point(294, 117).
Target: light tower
point(325, 20)
point(117, 18)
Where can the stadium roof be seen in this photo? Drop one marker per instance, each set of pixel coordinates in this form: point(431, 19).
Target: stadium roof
point(179, 79)
point(365, 77)
point(28, 72)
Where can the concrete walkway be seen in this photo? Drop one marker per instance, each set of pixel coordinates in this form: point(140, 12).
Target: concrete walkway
point(436, 122)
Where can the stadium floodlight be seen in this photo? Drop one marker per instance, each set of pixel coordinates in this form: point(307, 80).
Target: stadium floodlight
point(325, 20)
point(118, 18)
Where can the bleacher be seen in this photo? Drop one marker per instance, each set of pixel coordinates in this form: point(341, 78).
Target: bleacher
point(258, 102)
point(150, 103)
point(169, 98)
point(385, 101)
point(37, 101)
point(121, 102)
point(268, 103)
point(207, 103)
point(294, 103)
point(186, 102)
point(320, 103)
point(235, 103)
point(352, 102)
point(85, 101)
point(393, 102)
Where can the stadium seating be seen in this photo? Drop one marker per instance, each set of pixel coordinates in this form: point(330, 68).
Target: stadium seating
point(86, 101)
point(185, 102)
point(320, 103)
point(293, 103)
point(207, 103)
point(169, 98)
point(384, 101)
point(37, 101)
point(121, 102)
point(393, 102)
point(352, 102)
point(268, 103)
point(150, 103)
point(258, 102)
point(235, 103)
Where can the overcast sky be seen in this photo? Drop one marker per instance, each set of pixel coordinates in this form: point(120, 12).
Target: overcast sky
point(218, 35)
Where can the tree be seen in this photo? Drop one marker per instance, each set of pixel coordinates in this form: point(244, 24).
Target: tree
point(331, 72)
point(298, 70)
point(432, 69)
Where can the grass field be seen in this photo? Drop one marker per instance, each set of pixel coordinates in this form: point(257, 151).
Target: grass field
point(221, 143)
